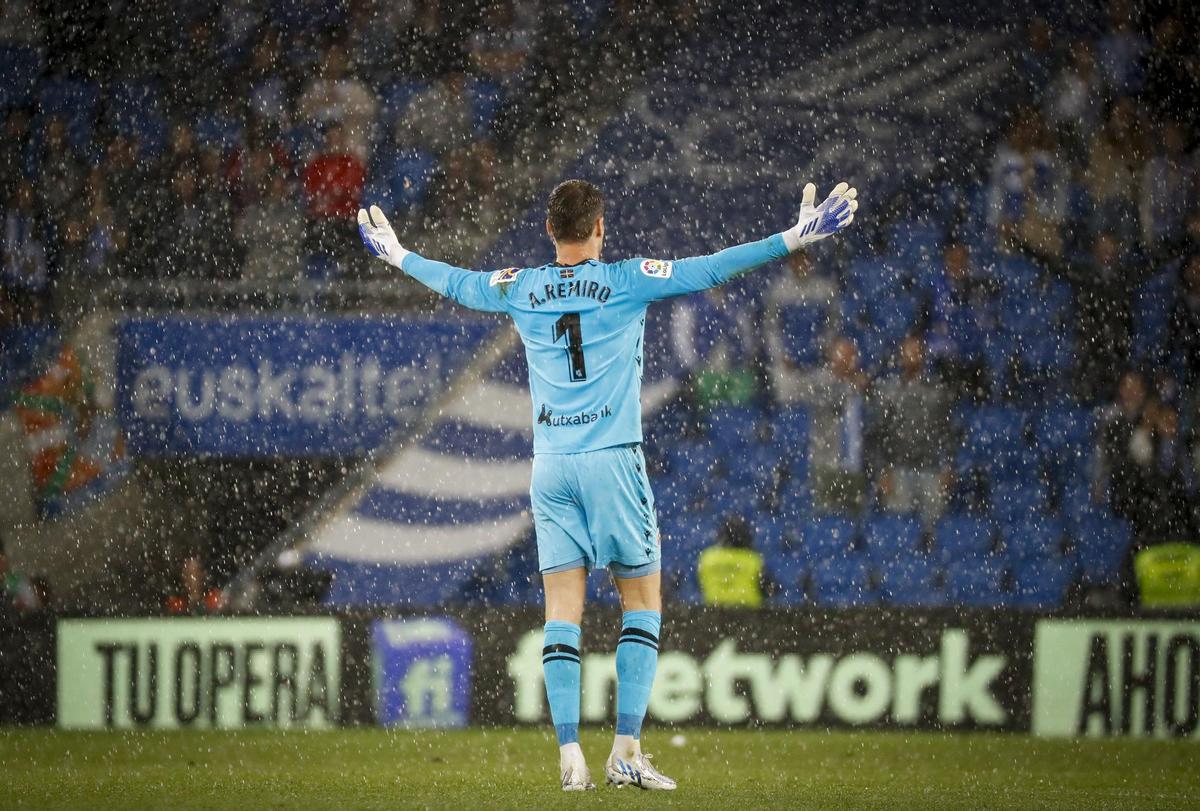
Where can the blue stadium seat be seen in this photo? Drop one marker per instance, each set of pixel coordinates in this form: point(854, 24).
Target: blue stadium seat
point(756, 464)
point(1035, 538)
point(843, 582)
point(889, 318)
point(301, 140)
point(402, 177)
point(790, 426)
point(795, 505)
point(215, 129)
point(828, 536)
point(1151, 315)
point(1018, 276)
point(769, 532)
point(871, 278)
point(686, 588)
point(874, 347)
point(395, 97)
point(19, 70)
point(600, 590)
point(734, 426)
point(1047, 353)
point(28, 351)
point(789, 570)
point(993, 440)
point(960, 537)
point(919, 244)
point(975, 583)
point(911, 580)
point(693, 465)
point(136, 108)
point(1064, 437)
point(76, 103)
point(1041, 311)
point(1016, 501)
point(1040, 585)
point(486, 100)
point(732, 498)
point(1101, 545)
point(1076, 504)
point(892, 536)
point(803, 326)
point(997, 349)
point(637, 142)
point(320, 267)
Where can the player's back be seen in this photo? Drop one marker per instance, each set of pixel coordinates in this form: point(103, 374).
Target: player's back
point(583, 333)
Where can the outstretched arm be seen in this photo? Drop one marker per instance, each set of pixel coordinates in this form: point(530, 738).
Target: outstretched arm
point(469, 288)
point(663, 279)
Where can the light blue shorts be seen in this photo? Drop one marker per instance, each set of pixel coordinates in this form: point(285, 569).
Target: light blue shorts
point(595, 509)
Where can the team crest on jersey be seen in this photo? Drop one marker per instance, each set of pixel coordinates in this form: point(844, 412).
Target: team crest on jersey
point(657, 268)
point(504, 276)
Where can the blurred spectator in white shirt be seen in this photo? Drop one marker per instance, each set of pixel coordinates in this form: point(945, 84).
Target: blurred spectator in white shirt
point(271, 232)
point(909, 422)
point(439, 119)
point(1168, 184)
point(799, 287)
point(338, 96)
point(835, 396)
point(266, 90)
point(1028, 187)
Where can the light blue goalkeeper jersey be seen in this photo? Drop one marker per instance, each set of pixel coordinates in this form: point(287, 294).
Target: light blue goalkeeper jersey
point(583, 326)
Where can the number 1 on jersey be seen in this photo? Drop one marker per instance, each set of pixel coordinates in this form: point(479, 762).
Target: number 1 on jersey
point(568, 325)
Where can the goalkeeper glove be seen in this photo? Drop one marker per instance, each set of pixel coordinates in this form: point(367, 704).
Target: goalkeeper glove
point(379, 237)
point(818, 222)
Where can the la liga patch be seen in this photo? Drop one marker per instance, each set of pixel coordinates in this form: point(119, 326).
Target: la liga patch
point(657, 268)
point(504, 276)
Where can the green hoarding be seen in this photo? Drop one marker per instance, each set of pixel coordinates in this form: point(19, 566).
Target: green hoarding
point(198, 673)
point(1102, 678)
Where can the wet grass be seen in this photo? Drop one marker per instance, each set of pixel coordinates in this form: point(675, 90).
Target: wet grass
point(504, 768)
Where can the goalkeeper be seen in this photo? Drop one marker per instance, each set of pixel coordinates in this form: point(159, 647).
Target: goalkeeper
point(582, 321)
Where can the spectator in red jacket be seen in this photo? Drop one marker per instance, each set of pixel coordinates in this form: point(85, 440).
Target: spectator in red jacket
point(333, 186)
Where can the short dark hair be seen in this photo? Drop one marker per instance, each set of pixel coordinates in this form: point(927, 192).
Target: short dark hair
point(574, 207)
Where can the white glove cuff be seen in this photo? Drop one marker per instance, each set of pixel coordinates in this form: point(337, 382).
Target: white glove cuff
point(791, 238)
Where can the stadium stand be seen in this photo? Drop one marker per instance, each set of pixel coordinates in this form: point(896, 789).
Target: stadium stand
point(1029, 502)
point(1026, 237)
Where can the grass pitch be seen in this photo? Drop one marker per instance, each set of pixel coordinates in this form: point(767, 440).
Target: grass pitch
point(505, 768)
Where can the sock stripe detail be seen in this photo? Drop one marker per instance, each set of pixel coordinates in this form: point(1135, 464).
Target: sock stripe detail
point(549, 659)
point(635, 640)
point(560, 648)
point(639, 632)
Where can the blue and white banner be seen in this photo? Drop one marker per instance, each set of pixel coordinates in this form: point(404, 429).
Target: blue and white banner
point(281, 386)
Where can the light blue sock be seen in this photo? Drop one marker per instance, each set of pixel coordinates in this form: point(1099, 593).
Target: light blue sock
point(637, 659)
point(560, 663)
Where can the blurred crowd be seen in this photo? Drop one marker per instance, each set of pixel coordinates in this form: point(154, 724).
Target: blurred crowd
point(1023, 344)
point(160, 140)
point(1050, 306)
